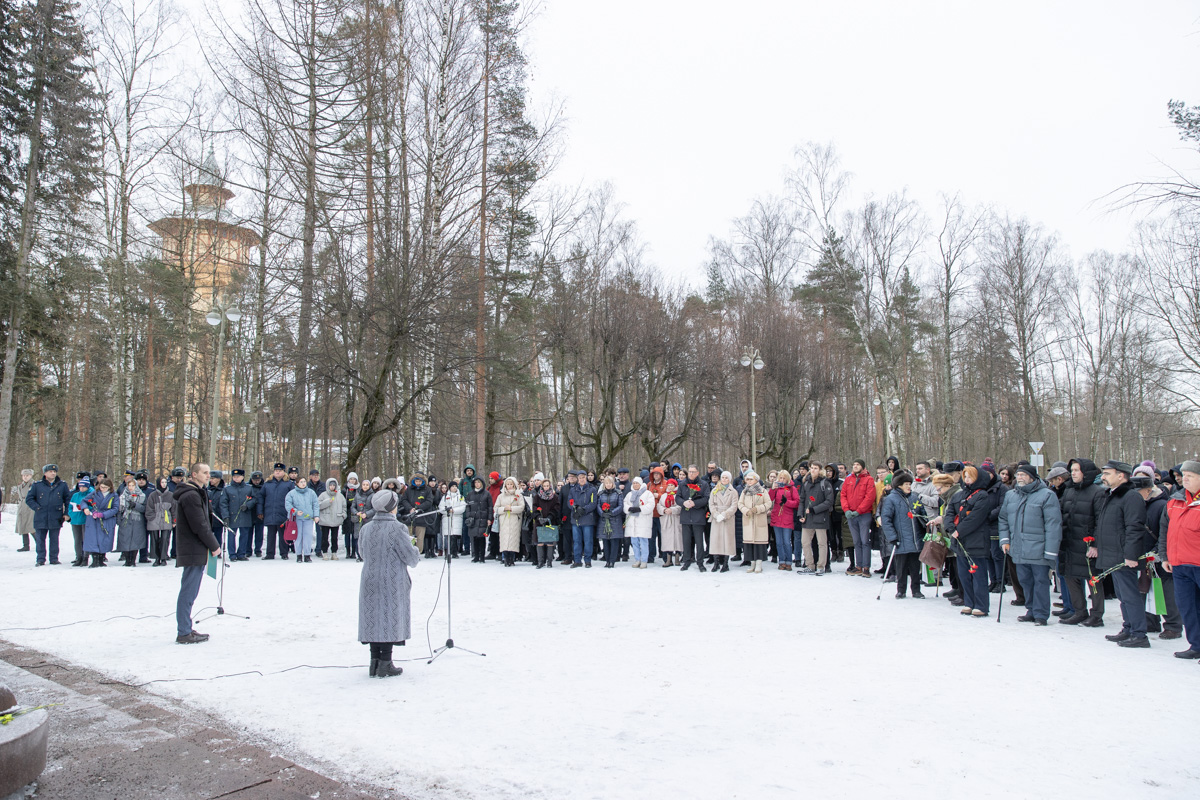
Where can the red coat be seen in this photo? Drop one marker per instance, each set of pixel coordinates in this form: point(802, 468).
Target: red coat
point(858, 493)
point(784, 501)
point(657, 489)
point(1183, 531)
point(494, 489)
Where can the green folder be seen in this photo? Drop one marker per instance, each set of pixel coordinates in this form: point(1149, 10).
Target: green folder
point(212, 566)
point(1160, 599)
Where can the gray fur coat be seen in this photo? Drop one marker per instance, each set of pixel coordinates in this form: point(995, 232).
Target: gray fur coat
point(384, 608)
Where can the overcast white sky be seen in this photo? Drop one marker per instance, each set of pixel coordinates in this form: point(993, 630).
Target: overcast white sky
point(1039, 108)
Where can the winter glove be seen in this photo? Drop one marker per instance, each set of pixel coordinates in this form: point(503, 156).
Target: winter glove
point(851, 514)
point(634, 510)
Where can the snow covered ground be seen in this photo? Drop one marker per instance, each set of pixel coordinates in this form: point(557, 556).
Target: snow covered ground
point(644, 683)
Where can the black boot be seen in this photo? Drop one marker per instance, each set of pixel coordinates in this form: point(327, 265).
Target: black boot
point(724, 563)
point(95, 561)
point(374, 667)
point(24, 548)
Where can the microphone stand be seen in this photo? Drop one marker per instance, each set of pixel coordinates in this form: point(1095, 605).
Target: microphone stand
point(449, 645)
point(224, 566)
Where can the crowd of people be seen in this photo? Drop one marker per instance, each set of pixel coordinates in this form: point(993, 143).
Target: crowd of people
point(1086, 533)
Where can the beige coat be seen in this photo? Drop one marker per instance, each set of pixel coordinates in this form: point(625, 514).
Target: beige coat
point(722, 508)
point(670, 526)
point(509, 508)
point(756, 516)
point(24, 512)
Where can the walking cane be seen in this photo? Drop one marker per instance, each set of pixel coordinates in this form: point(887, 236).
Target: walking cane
point(1003, 583)
point(886, 570)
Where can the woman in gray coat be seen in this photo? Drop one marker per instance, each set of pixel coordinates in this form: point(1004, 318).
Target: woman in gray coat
point(384, 612)
point(131, 531)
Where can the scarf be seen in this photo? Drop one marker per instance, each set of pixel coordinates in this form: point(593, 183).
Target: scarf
point(546, 494)
point(637, 494)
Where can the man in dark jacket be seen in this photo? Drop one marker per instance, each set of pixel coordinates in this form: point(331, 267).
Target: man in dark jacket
point(216, 485)
point(816, 501)
point(419, 499)
point(256, 485)
point(582, 504)
point(274, 513)
point(238, 507)
point(692, 496)
point(1082, 500)
point(49, 499)
point(465, 485)
point(565, 548)
point(195, 542)
point(1121, 540)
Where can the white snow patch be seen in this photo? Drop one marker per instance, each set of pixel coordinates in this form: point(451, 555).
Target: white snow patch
point(638, 683)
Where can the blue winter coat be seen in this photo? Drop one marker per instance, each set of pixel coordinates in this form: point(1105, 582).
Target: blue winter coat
point(274, 493)
point(98, 534)
point(75, 507)
point(904, 519)
point(49, 503)
point(1031, 524)
point(583, 512)
point(303, 502)
point(238, 505)
point(611, 522)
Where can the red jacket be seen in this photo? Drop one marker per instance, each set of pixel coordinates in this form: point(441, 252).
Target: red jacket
point(858, 493)
point(495, 488)
point(1183, 531)
point(783, 506)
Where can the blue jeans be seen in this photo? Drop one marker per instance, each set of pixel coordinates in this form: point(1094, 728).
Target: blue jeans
point(1187, 597)
point(974, 587)
point(306, 530)
point(189, 587)
point(641, 549)
point(583, 549)
point(40, 536)
point(860, 532)
point(244, 542)
point(1035, 580)
point(783, 544)
point(1133, 602)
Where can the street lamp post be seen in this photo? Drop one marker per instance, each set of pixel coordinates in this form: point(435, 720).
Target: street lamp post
point(1108, 428)
point(751, 359)
point(1058, 413)
point(216, 317)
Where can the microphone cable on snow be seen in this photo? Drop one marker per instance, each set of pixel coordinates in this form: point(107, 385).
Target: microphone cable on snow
point(428, 644)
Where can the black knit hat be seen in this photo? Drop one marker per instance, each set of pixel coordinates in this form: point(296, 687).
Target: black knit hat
point(1029, 470)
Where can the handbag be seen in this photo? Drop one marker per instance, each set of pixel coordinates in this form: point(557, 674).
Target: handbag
point(289, 529)
point(547, 534)
point(934, 554)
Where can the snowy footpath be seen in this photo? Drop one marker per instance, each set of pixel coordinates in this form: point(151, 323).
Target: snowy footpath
point(641, 683)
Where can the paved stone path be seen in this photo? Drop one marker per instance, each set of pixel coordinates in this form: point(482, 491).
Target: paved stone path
point(114, 742)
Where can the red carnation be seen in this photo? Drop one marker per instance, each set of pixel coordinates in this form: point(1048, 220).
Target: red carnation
point(1089, 539)
point(812, 499)
point(1149, 558)
point(973, 569)
point(695, 487)
point(910, 515)
point(605, 506)
point(571, 501)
